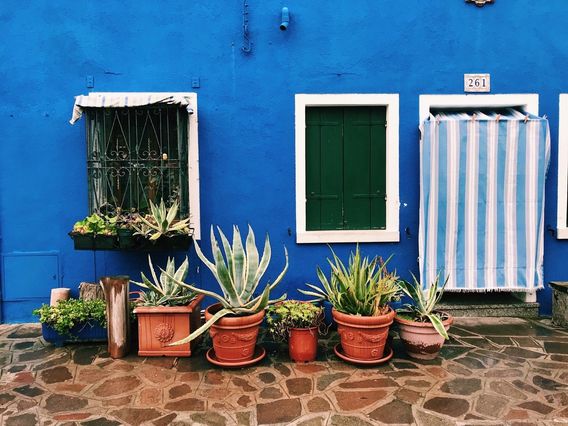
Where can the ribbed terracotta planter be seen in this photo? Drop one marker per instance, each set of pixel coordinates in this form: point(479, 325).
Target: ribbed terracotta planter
point(303, 344)
point(160, 325)
point(234, 338)
point(363, 338)
point(420, 339)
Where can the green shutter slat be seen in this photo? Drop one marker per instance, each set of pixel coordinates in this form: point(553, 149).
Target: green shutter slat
point(378, 168)
point(313, 170)
point(324, 175)
point(357, 150)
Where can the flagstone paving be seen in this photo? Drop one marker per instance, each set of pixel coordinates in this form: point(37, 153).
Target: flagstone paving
point(492, 372)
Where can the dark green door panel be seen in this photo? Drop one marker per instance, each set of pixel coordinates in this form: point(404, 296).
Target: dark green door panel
point(345, 168)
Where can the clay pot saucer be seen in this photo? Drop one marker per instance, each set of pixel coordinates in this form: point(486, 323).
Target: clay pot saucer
point(259, 354)
point(339, 352)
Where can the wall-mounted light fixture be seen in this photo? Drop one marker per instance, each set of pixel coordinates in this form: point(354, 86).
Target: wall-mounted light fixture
point(285, 19)
point(479, 3)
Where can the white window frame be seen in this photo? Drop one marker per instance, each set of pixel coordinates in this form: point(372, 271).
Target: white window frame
point(391, 233)
point(528, 101)
point(193, 152)
point(561, 228)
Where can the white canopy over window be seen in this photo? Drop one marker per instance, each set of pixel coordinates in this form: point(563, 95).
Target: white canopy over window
point(121, 100)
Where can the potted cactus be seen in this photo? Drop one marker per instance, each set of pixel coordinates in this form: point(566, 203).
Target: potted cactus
point(166, 311)
point(360, 294)
point(299, 324)
point(422, 329)
point(235, 319)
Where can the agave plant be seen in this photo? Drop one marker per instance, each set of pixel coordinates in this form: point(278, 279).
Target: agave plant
point(165, 291)
point(364, 287)
point(238, 273)
point(162, 221)
point(424, 303)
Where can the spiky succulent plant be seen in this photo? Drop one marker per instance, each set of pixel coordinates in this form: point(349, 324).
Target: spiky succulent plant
point(363, 287)
point(238, 273)
point(165, 291)
point(162, 221)
point(424, 303)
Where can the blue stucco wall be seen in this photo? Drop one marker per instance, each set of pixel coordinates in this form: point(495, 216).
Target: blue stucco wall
point(246, 105)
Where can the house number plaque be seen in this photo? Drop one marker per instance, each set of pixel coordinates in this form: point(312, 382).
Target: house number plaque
point(477, 83)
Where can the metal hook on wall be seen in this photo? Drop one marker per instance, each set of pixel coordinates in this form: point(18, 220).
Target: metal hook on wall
point(247, 44)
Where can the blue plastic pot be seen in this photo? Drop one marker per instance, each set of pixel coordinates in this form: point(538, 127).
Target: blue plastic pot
point(86, 332)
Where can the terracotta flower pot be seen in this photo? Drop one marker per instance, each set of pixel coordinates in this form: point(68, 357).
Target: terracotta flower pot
point(160, 325)
point(234, 338)
point(303, 344)
point(420, 339)
point(363, 338)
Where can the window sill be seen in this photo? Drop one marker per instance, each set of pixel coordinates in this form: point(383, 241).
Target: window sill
point(363, 236)
point(562, 233)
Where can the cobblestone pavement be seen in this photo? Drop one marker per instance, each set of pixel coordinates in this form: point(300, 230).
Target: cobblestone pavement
point(491, 372)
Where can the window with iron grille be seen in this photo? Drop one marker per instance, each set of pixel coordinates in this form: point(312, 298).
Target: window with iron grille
point(137, 155)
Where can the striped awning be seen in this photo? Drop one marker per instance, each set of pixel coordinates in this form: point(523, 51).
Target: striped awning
point(482, 177)
point(118, 100)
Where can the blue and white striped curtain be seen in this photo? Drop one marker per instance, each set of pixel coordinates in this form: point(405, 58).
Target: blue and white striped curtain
point(482, 200)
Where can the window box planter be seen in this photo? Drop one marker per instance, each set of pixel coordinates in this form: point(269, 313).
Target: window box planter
point(85, 332)
point(175, 242)
point(106, 242)
point(159, 326)
point(126, 238)
point(83, 241)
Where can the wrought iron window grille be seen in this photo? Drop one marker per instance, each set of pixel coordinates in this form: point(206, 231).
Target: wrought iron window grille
point(137, 155)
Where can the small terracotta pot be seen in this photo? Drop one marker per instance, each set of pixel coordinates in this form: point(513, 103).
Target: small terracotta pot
point(234, 338)
point(420, 339)
point(303, 344)
point(363, 338)
point(57, 294)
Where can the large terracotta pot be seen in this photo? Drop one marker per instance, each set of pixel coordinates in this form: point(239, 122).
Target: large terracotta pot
point(160, 325)
point(363, 338)
point(234, 338)
point(303, 344)
point(420, 339)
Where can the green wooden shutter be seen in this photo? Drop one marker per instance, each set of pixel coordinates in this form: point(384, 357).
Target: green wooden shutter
point(379, 167)
point(364, 168)
point(324, 168)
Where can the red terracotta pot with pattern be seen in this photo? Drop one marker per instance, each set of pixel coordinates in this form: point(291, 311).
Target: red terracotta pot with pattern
point(420, 339)
point(160, 325)
point(303, 344)
point(363, 338)
point(234, 337)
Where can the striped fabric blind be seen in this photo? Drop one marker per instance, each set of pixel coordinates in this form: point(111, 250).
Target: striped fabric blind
point(482, 178)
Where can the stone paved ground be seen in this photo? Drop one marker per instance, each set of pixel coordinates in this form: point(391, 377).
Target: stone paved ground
point(491, 372)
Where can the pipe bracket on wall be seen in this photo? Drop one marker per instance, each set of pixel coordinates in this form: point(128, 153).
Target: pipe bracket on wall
point(247, 44)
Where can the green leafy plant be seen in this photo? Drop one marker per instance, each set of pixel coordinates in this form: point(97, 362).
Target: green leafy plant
point(162, 222)
point(68, 314)
point(165, 291)
point(424, 303)
point(364, 287)
point(96, 224)
point(238, 273)
point(289, 314)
